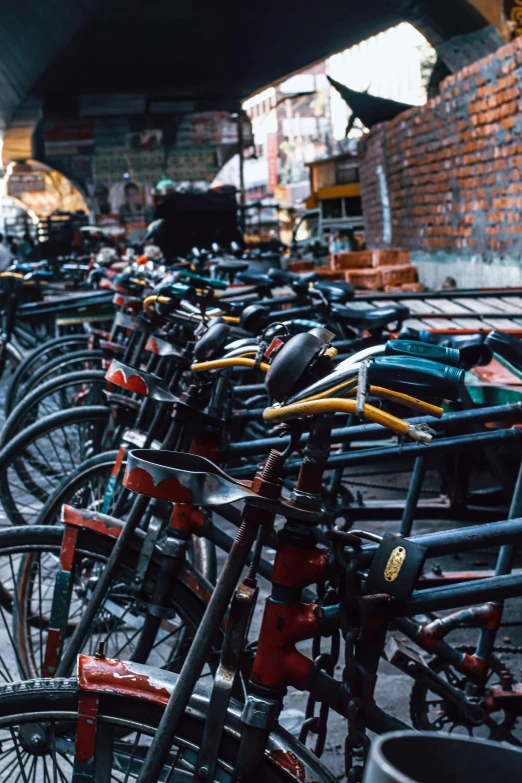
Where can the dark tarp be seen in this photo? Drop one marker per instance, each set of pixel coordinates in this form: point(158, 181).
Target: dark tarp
point(197, 220)
point(370, 109)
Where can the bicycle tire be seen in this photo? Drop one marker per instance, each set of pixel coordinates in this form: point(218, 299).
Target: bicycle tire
point(26, 368)
point(11, 359)
point(29, 561)
point(23, 499)
point(129, 723)
point(31, 405)
point(61, 365)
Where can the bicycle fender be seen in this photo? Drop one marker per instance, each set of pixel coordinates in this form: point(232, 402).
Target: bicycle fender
point(138, 681)
point(91, 520)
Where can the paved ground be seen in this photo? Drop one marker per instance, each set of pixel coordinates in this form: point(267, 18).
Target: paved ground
point(393, 688)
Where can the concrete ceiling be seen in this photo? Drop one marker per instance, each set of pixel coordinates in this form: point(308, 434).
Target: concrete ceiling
point(212, 54)
point(221, 52)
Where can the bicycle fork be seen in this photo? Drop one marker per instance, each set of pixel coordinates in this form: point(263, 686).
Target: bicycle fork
point(253, 517)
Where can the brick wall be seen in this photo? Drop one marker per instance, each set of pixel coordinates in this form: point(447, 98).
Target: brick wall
point(453, 167)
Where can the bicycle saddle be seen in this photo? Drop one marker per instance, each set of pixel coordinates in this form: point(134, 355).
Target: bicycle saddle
point(212, 343)
point(506, 346)
point(161, 347)
point(182, 478)
point(251, 278)
point(335, 291)
point(281, 277)
point(138, 382)
point(232, 265)
point(376, 318)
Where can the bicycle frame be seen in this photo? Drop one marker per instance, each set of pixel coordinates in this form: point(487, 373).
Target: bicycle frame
point(299, 564)
point(203, 440)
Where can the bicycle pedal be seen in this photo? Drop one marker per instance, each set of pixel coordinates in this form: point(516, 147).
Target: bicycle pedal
point(396, 567)
point(403, 657)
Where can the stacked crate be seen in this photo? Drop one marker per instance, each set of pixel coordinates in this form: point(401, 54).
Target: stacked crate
point(387, 270)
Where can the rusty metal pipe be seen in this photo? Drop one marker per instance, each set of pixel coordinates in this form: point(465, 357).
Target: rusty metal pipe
point(495, 588)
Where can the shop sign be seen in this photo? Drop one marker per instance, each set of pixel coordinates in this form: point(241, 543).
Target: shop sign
point(17, 184)
point(272, 159)
point(513, 14)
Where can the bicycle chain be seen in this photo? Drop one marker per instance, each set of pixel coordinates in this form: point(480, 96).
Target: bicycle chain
point(357, 743)
point(372, 485)
point(507, 650)
point(318, 724)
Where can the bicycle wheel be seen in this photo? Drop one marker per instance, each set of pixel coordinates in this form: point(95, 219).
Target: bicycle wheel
point(29, 565)
point(73, 390)
point(38, 724)
point(10, 359)
point(39, 357)
point(33, 464)
point(85, 487)
point(60, 365)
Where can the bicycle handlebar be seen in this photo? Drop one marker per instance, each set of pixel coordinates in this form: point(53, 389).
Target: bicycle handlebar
point(300, 410)
point(206, 281)
point(222, 364)
point(422, 376)
point(435, 353)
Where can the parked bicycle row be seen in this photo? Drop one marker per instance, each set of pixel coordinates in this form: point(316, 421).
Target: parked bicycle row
point(209, 399)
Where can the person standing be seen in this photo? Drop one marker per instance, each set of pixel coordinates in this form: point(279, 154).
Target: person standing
point(26, 249)
point(5, 255)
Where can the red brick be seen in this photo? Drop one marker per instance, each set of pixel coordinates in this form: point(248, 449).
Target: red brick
point(365, 278)
point(391, 257)
point(355, 260)
point(300, 266)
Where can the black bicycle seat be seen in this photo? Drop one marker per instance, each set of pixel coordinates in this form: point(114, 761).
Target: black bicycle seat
point(281, 277)
point(232, 265)
point(251, 278)
point(212, 343)
point(506, 346)
point(335, 291)
point(377, 318)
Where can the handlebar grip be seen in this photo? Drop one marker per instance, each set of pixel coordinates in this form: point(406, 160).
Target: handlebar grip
point(435, 353)
point(205, 281)
point(506, 346)
point(418, 376)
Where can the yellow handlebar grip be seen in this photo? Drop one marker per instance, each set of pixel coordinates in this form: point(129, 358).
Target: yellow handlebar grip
point(221, 364)
point(299, 410)
point(150, 301)
point(409, 402)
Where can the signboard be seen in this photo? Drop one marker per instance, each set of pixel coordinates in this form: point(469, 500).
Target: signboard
point(513, 13)
point(272, 153)
point(23, 183)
